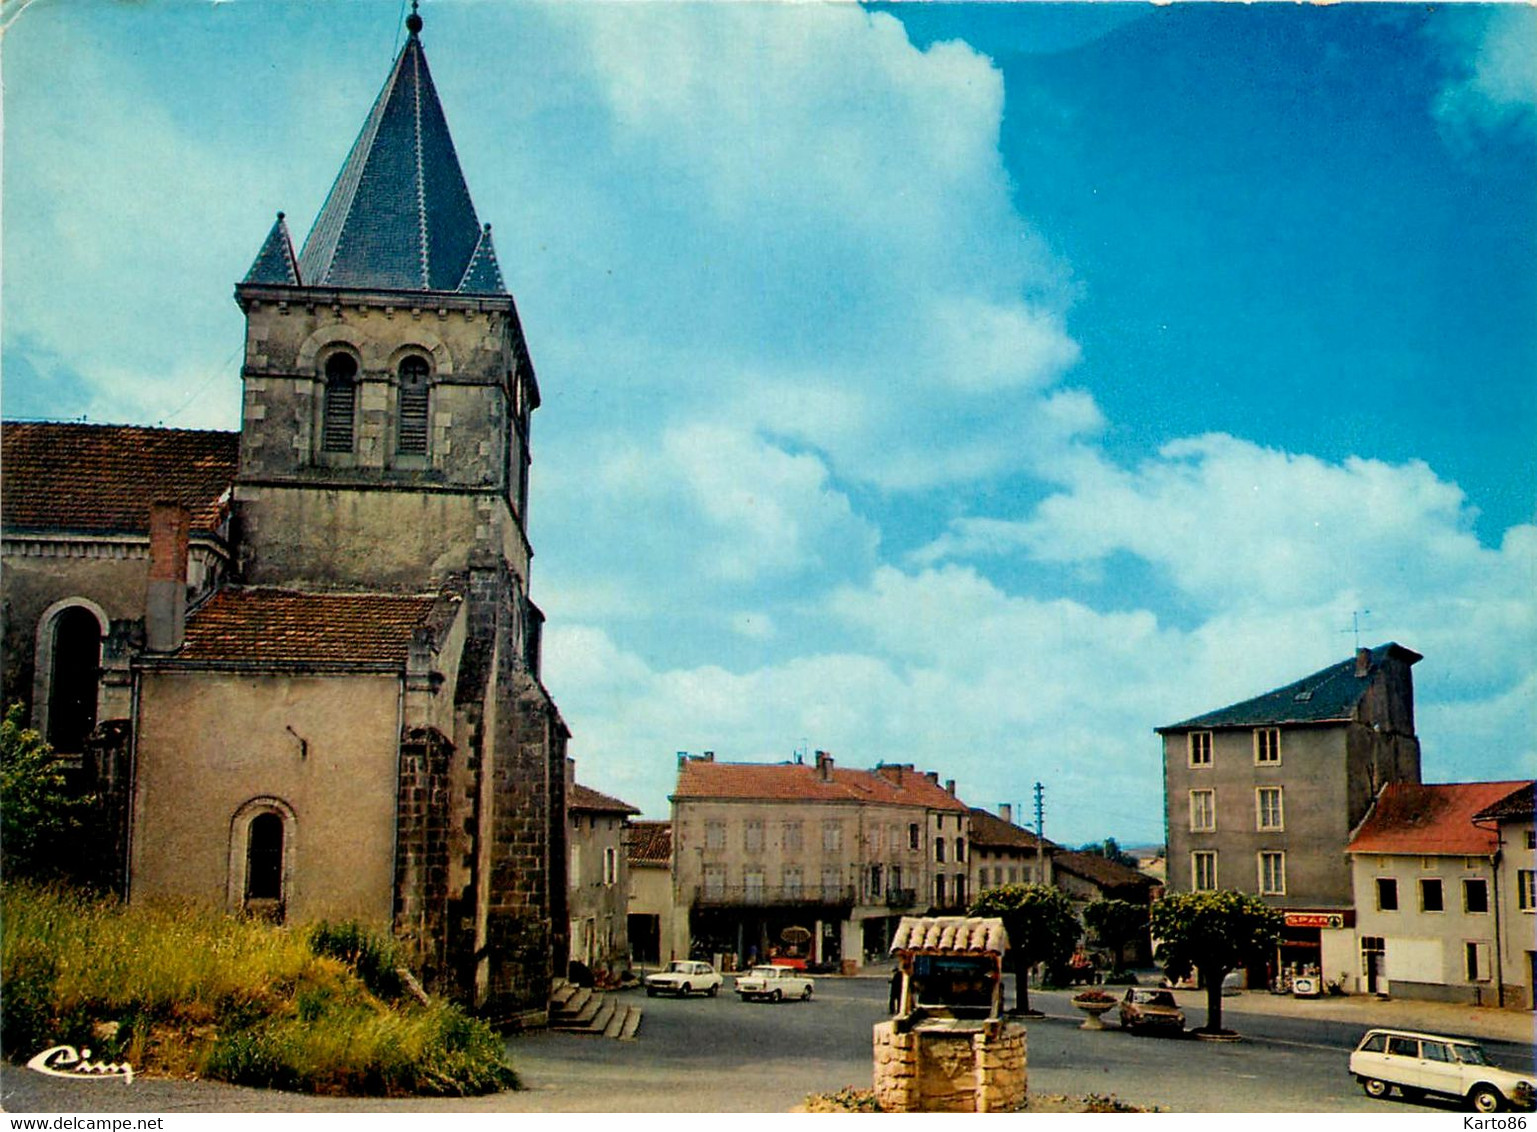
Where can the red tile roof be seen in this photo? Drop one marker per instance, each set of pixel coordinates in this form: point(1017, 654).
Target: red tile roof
point(1413, 818)
point(988, 831)
point(650, 843)
point(1520, 803)
point(268, 626)
point(1106, 874)
point(700, 779)
point(103, 478)
point(588, 800)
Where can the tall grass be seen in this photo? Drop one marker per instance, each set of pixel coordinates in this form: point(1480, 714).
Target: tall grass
point(190, 991)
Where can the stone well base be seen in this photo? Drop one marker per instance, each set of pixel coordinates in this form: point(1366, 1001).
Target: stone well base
point(943, 1071)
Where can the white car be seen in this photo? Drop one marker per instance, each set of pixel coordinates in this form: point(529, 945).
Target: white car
point(684, 976)
point(774, 984)
point(1431, 1063)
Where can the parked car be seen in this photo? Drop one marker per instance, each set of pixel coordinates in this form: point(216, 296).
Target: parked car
point(774, 984)
point(1432, 1063)
point(1147, 1009)
point(684, 976)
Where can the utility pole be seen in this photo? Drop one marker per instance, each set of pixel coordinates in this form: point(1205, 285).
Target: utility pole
point(1040, 825)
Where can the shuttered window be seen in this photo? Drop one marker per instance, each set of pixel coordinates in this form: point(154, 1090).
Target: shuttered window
point(412, 437)
point(341, 403)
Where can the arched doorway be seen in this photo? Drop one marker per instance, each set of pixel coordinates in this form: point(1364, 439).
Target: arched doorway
point(74, 673)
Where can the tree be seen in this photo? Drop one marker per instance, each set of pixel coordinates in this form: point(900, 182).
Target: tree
point(1111, 850)
point(40, 817)
point(1213, 933)
point(1041, 927)
point(1115, 923)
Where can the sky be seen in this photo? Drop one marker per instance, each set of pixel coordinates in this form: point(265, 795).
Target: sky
point(975, 386)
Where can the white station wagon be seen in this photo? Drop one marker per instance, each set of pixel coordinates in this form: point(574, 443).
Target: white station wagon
point(684, 977)
point(774, 984)
point(1431, 1063)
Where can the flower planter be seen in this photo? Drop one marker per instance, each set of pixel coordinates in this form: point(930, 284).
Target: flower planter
point(1092, 1009)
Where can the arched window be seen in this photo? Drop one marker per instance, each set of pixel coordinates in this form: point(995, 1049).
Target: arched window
point(72, 680)
point(264, 858)
point(340, 403)
point(411, 440)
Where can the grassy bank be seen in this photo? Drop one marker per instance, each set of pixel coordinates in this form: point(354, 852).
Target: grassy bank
point(181, 992)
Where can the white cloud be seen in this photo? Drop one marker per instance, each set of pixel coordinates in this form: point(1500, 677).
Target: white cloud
point(1493, 53)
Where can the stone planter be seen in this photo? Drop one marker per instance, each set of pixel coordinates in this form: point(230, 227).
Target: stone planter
point(1092, 1009)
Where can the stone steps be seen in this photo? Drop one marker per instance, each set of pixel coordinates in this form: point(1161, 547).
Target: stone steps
point(581, 1010)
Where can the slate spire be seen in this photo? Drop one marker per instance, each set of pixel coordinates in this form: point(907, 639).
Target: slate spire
point(399, 216)
point(275, 262)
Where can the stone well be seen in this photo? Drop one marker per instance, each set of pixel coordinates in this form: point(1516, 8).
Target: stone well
point(949, 1049)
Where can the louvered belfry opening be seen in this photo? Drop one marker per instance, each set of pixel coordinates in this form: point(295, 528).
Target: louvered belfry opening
point(412, 438)
point(341, 403)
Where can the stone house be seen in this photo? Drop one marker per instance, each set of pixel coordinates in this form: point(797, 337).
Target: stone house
point(301, 659)
point(1089, 877)
point(651, 909)
point(815, 862)
point(1425, 876)
point(599, 880)
point(1262, 796)
point(1003, 853)
point(1515, 892)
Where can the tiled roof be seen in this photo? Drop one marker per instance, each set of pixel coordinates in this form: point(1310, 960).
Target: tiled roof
point(988, 830)
point(1101, 871)
point(284, 627)
point(399, 215)
point(1418, 819)
point(585, 799)
point(102, 478)
point(1520, 803)
point(795, 782)
point(650, 843)
point(967, 934)
point(1324, 697)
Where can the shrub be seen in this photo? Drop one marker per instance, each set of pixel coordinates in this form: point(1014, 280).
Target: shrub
point(233, 1000)
point(375, 958)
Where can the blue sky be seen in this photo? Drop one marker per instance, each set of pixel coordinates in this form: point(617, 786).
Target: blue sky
point(979, 386)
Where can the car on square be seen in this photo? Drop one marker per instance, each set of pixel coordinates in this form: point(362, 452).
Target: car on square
point(684, 977)
point(1144, 1009)
point(774, 984)
point(1418, 1064)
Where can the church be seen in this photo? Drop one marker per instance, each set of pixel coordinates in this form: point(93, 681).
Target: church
point(300, 663)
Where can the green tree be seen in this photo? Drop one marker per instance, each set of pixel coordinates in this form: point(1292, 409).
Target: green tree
point(1213, 933)
point(1111, 850)
point(40, 818)
point(1115, 923)
point(1041, 925)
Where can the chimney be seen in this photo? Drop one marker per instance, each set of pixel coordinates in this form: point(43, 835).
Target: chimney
point(570, 774)
point(165, 604)
point(932, 776)
point(682, 757)
point(824, 766)
point(950, 786)
point(1363, 662)
point(709, 756)
point(1006, 812)
point(892, 772)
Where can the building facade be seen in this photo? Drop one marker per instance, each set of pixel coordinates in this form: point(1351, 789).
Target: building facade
point(1515, 893)
point(301, 661)
point(1424, 873)
point(599, 874)
point(1262, 796)
point(810, 862)
point(1004, 853)
point(651, 909)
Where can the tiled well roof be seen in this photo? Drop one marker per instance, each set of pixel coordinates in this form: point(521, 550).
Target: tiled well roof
point(101, 479)
point(650, 843)
point(988, 831)
point(284, 628)
point(1419, 819)
point(1101, 871)
point(1520, 803)
point(1324, 697)
point(795, 782)
point(955, 934)
point(399, 215)
point(591, 801)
